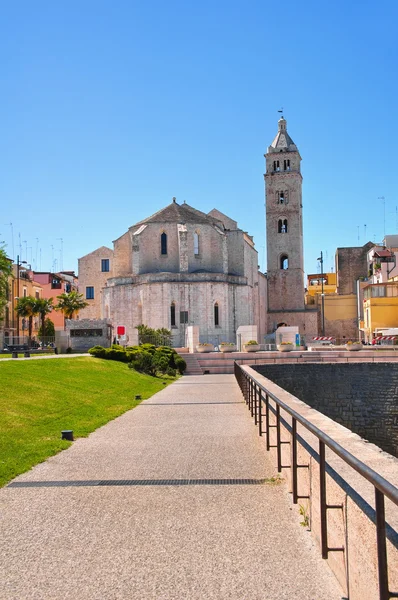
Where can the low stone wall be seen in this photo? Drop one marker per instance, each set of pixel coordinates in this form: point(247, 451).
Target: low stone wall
point(360, 396)
point(351, 527)
point(86, 333)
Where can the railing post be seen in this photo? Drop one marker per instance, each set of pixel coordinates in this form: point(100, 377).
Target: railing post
point(260, 415)
point(278, 438)
point(267, 421)
point(255, 405)
point(381, 546)
point(294, 460)
point(322, 500)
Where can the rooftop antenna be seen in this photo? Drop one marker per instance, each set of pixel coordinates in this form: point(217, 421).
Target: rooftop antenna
point(26, 249)
point(384, 212)
point(12, 238)
point(281, 111)
point(365, 232)
point(358, 233)
point(52, 257)
point(37, 246)
point(20, 244)
point(61, 255)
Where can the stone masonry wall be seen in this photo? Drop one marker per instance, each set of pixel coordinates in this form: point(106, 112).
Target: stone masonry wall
point(360, 396)
point(81, 343)
point(351, 264)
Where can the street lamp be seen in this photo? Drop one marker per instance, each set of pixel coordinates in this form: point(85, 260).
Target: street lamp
point(19, 263)
point(322, 295)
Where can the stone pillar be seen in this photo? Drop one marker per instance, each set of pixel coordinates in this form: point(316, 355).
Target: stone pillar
point(192, 337)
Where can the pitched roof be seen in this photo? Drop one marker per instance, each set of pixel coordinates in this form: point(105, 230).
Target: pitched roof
point(180, 213)
point(282, 140)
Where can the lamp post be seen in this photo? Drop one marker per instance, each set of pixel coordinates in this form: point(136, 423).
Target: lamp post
point(322, 295)
point(19, 263)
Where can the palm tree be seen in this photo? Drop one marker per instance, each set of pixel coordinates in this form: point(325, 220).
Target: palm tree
point(26, 308)
point(70, 304)
point(43, 307)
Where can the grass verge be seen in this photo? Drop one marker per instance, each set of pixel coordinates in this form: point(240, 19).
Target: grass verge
point(42, 397)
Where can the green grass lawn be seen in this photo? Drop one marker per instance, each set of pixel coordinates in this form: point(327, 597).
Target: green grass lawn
point(40, 398)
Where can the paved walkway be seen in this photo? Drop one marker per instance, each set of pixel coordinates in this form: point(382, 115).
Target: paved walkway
point(178, 539)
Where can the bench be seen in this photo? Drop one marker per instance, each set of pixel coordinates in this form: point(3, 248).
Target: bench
point(15, 348)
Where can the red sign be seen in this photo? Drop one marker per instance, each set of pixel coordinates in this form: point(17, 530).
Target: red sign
point(121, 330)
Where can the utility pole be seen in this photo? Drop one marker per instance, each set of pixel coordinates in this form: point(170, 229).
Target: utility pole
point(19, 263)
point(322, 295)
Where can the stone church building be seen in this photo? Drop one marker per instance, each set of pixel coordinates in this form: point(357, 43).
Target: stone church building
point(183, 267)
point(178, 267)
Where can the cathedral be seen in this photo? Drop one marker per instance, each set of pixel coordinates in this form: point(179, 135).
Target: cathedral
point(183, 267)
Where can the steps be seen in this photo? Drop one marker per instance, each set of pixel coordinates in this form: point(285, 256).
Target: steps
point(193, 367)
point(220, 363)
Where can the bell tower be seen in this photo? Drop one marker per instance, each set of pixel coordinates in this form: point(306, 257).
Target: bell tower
point(284, 225)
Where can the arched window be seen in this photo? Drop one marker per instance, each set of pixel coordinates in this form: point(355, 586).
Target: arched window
point(284, 262)
point(163, 243)
point(196, 243)
point(173, 314)
point(216, 315)
point(282, 197)
point(282, 226)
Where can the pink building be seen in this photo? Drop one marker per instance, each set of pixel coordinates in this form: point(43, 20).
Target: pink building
point(53, 285)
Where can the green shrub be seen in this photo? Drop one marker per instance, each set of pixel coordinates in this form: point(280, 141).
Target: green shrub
point(180, 364)
point(148, 348)
point(143, 363)
point(98, 351)
point(171, 372)
point(116, 353)
point(160, 362)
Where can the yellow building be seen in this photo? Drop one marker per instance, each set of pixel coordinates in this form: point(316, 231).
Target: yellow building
point(314, 284)
point(338, 313)
point(380, 306)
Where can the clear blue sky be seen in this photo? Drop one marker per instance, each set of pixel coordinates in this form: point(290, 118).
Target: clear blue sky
point(109, 109)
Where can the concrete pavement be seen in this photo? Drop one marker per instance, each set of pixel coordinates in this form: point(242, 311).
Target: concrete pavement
point(173, 502)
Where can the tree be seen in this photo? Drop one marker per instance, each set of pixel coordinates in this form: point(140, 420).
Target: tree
point(5, 274)
point(70, 304)
point(49, 329)
point(26, 308)
point(43, 307)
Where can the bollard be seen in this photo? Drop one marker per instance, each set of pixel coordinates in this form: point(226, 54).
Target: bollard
point(67, 434)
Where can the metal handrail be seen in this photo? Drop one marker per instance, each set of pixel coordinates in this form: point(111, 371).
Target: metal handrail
point(253, 392)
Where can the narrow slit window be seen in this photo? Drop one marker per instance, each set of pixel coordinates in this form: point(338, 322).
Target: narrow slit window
point(282, 198)
point(216, 315)
point(286, 165)
point(173, 314)
point(163, 243)
point(196, 243)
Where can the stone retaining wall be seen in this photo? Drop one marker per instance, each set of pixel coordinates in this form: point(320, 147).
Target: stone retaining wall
point(360, 396)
